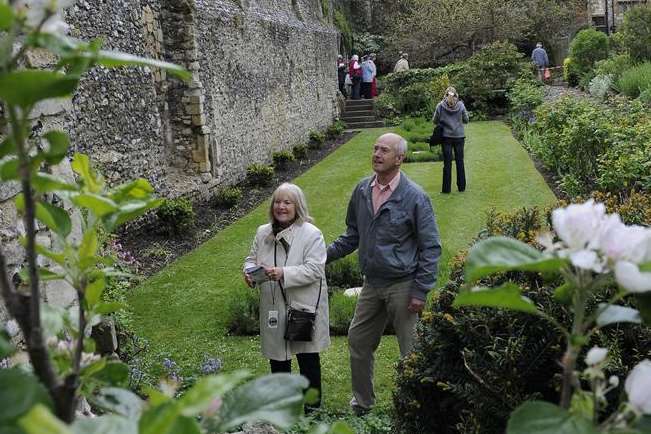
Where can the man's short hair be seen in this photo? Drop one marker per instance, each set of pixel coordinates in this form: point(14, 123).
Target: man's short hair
point(404, 55)
point(539, 44)
point(401, 146)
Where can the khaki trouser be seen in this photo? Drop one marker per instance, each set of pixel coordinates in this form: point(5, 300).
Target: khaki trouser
point(375, 306)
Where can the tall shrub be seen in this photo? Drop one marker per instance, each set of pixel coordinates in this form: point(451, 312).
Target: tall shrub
point(636, 32)
point(587, 47)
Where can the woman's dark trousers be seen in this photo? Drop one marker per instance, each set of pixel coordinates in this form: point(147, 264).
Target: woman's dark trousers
point(453, 145)
point(357, 83)
point(309, 365)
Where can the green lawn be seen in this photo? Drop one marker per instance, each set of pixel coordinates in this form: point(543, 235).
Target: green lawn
point(181, 310)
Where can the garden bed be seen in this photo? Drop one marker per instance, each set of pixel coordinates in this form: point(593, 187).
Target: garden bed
point(149, 248)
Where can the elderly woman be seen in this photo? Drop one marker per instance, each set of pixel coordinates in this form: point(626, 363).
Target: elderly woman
point(451, 114)
point(286, 262)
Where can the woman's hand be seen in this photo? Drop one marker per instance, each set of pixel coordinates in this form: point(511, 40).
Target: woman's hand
point(248, 280)
point(274, 273)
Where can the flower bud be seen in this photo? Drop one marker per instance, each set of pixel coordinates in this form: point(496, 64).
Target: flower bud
point(596, 355)
point(613, 380)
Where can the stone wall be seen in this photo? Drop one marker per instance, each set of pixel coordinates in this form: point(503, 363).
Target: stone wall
point(263, 77)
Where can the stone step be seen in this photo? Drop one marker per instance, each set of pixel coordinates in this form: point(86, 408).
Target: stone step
point(359, 109)
point(349, 117)
point(359, 103)
point(357, 125)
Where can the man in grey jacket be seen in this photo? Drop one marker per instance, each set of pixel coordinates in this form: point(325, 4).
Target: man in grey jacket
point(391, 221)
point(540, 59)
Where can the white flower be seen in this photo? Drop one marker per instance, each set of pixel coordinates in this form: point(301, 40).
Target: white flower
point(620, 242)
point(613, 380)
point(629, 277)
point(638, 386)
point(578, 225)
point(596, 355)
point(586, 259)
point(12, 328)
point(36, 10)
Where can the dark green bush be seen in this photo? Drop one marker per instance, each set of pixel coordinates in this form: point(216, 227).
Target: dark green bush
point(336, 129)
point(299, 151)
point(436, 154)
point(587, 47)
point(281, 159)
point(386, 106)
point(227, 197)
point(260, 174)
point(243, 315)
point(525, 95)
point(472, 366)
point(317, 139)
point(635, 80)
point(176, 215)
point(613, 66)
point(344, 273)
point(636, 32)
point(342, 309)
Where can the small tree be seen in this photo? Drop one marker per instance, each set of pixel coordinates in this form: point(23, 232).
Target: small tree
point(636, 32)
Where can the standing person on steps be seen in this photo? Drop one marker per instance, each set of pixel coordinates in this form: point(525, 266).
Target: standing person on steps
point(355, 71)
point(342, 69)
point(391, 221)
point(402, 64)
point(451, 114)
point(287, 264)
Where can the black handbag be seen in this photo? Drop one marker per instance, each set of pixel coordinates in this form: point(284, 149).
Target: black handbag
point(437, 136)
point(300, 323)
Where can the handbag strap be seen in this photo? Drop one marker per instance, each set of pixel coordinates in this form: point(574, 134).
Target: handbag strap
point(282, 290)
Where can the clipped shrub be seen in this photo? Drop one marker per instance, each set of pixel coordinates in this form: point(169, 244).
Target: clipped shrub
point(260, 174)
point(600, 85)
point(472, 366)
point(636, 32)
point(571, 73)
point(336, 129)
point(281, 159)
point(414, 98)
point(227, 197)
point(342, 309)
point(588, 47)
point(525, 95)
point(299, 151)
point(317, 139)
point(408, 124)
point(176, 215)
point(419, 137)
point(386, 106)
point(635, 80)
point(418, 146)
point(243, 315)
point(436, 154)
point(344, 273)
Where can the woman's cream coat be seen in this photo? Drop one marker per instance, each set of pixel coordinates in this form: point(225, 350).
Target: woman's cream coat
point(303, 274)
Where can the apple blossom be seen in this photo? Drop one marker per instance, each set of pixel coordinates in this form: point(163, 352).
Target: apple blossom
point(629, 277)
point(596, 355)
point(36, 10)
point(578, 225)
point(638, 386)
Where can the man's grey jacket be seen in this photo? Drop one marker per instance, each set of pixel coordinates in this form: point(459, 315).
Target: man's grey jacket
point(401, 242)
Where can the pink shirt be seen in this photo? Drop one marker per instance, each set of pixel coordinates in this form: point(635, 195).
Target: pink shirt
point(381, 193)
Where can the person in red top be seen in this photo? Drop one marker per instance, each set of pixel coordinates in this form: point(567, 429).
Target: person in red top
point(355, 71)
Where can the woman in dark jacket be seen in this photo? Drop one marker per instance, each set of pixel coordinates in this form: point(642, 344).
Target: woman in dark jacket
point(451, 114)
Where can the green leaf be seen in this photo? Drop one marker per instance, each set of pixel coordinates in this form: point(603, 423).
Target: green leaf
point(582, 404)
point(120, 401)
point(129, 211)
point(563, 294)
point(81, 165)
point(160, 419)
point(115, 374)
point(507, 296)
point(94, 292)
point(643, 303)
point(93, 368)
point(55, 218)
point(20, 391)
point(610, 314)
point(6, 16)
point(645, 268)
point(104, 308)
point(59, 143)
point(9, 169)
point(6, 347)
point(138, 189)
point(45, 183)
point(26, 87)
point(538, 417)
point(44, 275)
point(51, 319)
point(40, 420)
point(99, 205)
point(340, 427)
point(113, 58)
point(7, 147)
point(207, 389)
point(107, 424)
point(276, 399)
point(89, 244)
point(498, 254)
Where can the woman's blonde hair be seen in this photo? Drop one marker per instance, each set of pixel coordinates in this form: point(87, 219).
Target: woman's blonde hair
point(450, 89)
point(297, 197)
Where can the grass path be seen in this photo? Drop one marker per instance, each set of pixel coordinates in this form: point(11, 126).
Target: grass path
point(181, 310)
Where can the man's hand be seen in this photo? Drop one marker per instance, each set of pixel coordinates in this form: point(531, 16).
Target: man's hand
point(416, 305)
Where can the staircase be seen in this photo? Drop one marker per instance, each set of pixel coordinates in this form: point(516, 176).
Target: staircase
point(359, 113)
